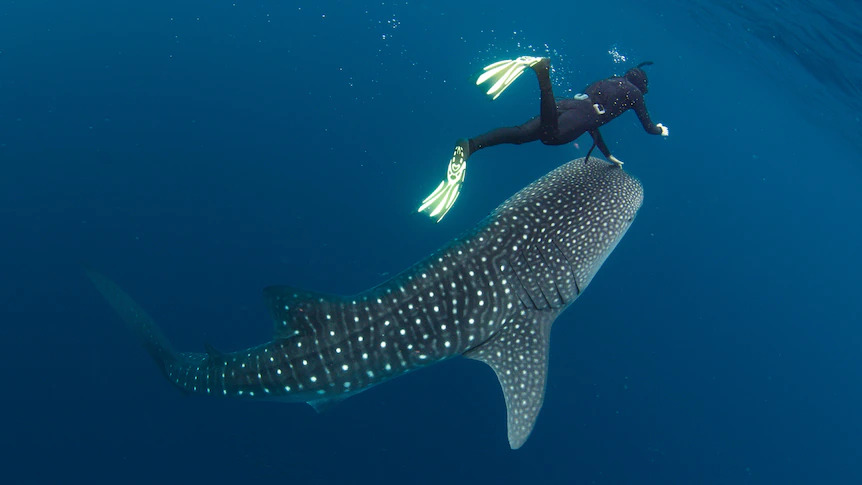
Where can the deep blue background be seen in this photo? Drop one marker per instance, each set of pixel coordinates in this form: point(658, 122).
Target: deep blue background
point(198, 153)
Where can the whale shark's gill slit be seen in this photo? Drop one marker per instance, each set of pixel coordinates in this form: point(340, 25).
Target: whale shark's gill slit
point(540, 272)
point(533, 286)
point(550, 275)
point(559, 293)
point(519, 262)
point(571, 267)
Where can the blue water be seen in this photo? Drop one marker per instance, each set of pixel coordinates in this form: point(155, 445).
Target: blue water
point(198, 151)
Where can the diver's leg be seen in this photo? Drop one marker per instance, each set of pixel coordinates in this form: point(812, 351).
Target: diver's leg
point(515, 135)
point(547, 104)
point(443, 198)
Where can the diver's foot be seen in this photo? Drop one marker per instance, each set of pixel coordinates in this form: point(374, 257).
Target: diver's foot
point(443, 198)
point(542, 66)
point(462, 149)
point(503, 73)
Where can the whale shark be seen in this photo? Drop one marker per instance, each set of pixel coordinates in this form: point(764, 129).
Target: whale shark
point(490, 295)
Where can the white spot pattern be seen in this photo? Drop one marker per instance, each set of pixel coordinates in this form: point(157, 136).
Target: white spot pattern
point(492, 295)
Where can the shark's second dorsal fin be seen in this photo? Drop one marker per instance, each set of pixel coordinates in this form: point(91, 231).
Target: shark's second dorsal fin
point(299, 312)
point(518, 353)
point(214, 354)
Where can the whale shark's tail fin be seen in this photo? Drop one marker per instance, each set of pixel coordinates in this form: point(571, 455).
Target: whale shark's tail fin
point(136, 319)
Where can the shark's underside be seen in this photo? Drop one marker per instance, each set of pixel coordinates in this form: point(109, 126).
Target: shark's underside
point(491, 295)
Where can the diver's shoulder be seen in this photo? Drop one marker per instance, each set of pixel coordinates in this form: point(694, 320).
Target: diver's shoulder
point(609, 84)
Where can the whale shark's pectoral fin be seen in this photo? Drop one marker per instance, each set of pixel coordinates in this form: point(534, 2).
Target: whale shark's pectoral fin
point(518, 353)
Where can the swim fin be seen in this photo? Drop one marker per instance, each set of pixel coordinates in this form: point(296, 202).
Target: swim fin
point(504, 73)
point(443, 198)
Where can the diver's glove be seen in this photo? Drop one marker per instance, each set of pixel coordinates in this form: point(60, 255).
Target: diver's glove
point(664, 130)
point(443, 198)
point(616, 160)
point(504, 73)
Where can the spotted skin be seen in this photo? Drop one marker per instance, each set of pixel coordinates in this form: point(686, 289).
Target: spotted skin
point(491, 295)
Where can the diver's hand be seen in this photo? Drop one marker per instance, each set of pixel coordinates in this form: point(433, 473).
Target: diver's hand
point(664, 130)
point(616, 161)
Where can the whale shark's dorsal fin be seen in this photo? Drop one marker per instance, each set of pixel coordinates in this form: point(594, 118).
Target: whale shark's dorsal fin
point(518, 353)
point(300, 312)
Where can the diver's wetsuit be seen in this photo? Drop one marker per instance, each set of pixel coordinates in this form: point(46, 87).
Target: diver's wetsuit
point(563, 121)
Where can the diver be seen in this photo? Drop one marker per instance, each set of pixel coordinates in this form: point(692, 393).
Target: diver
point(558, 123)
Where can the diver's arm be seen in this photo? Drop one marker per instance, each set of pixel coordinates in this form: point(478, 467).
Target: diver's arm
point(600, 143)
point(597, 139)
point(643, 115)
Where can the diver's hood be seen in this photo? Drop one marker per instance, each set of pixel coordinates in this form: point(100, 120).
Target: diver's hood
point(637, 77)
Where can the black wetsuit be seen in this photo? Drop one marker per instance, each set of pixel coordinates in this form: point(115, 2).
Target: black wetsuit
point(564, 121)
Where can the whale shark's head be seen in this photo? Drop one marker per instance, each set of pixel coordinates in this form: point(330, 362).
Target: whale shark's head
point(581, 210)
